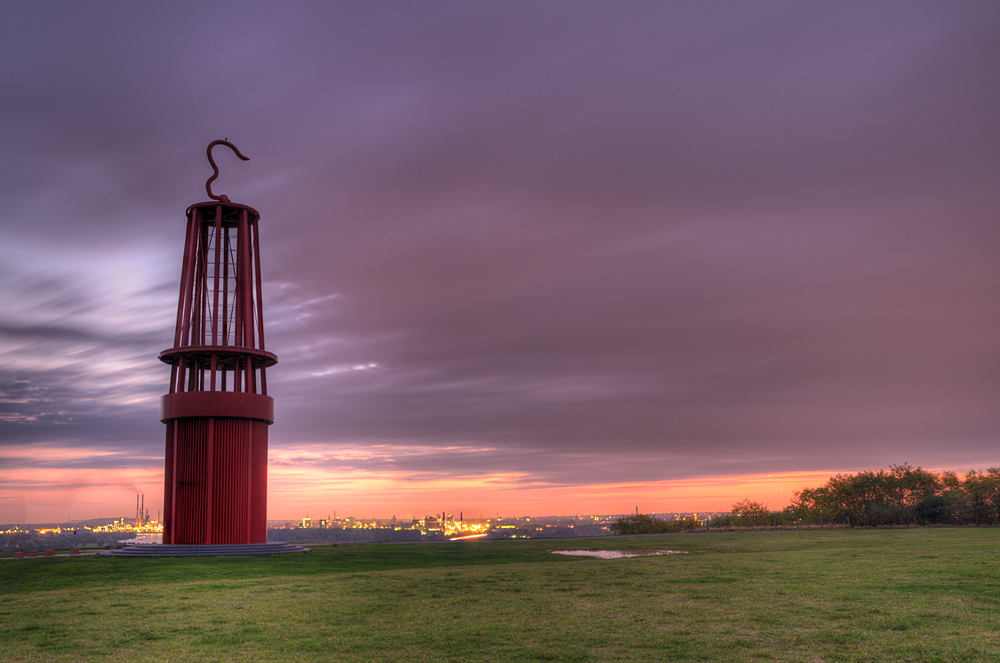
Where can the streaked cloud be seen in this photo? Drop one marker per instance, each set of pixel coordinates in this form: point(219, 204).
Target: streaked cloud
point(514, 251)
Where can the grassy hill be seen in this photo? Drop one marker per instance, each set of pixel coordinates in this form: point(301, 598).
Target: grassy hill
point(847, 595)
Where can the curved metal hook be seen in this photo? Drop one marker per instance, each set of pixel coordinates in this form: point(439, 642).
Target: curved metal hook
point(208, 184)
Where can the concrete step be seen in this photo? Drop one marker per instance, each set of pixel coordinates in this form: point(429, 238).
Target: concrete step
point(215, 550)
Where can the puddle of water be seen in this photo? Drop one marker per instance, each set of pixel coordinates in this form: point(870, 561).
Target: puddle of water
point(616, 554)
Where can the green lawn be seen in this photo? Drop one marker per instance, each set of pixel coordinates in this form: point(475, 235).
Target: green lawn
point(846, 595)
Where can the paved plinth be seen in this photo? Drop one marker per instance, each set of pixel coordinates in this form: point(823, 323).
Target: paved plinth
point(171, 550)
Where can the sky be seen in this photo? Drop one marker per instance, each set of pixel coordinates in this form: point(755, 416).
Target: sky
point(520, 258)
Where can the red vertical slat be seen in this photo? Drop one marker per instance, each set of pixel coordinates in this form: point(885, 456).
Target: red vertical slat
point(173, 484)
point(197, 286)
point(209, 457)
point(260, 298)
point(239, 332)
point(212, 366)
point(168, 484)
point(249, 479)
point(217, 231)
point(203, 289)
point(246, 284)
point(258, 505)
point(225, 291)
point(181, 372)
point(187, 274)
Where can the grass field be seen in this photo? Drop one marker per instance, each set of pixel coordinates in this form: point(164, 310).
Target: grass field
point(847, 595)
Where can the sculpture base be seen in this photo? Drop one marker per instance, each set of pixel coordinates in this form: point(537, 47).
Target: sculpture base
point(169, 550)
point(215, 481)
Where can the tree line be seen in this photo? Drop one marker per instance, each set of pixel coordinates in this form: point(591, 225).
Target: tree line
point(901, 495)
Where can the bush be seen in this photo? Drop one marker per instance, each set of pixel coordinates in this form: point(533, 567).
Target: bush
point(641, 523)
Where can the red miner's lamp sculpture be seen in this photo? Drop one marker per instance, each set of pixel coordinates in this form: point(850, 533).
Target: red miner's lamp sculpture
point(217, 410)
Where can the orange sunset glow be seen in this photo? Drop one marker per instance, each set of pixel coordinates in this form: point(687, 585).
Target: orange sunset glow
point(298, 491)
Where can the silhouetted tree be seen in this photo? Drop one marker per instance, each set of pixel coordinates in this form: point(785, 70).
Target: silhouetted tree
point(750, 514)
point(903, 495)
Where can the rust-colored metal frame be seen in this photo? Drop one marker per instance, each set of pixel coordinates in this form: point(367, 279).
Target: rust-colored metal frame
point(217, 410)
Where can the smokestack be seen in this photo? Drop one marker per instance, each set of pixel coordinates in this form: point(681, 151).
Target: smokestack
point(142, 509)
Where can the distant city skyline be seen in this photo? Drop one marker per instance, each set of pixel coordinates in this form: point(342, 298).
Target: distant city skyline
point(702, 495)
point(517, 257)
